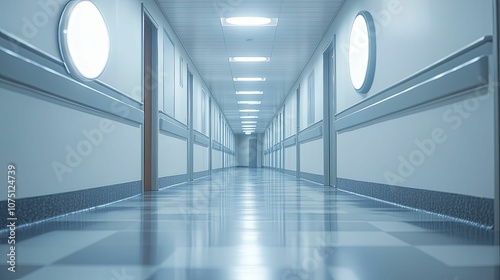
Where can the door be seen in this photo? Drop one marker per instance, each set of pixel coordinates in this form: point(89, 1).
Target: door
point(252, 149)
point(329, 111)
point(190, 125)
point(297, 144)
point(150, 134)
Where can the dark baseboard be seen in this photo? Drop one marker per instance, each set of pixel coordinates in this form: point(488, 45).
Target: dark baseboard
point(172, 180)
point(479, 211)
point(198, 175)
point(313, 177)
point(35, 209)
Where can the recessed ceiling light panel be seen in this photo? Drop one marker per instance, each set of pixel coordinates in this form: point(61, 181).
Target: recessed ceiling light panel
point(83, 40)
point(249, 21)
point(249, 102)
point(249, 117)
point(249, 59)
point(256, 79)
point(249, 111)
point(250, 92)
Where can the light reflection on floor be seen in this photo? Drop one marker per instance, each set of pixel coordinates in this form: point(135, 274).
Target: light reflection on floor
point(254, 224)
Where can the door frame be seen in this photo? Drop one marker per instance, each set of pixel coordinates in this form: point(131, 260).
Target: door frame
point(329, 112)
point(210, 135)
point(149, 177)
point(496, 98)
point(297, 142)
point(190, 152)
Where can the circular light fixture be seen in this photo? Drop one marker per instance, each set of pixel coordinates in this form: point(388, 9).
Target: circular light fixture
point(248, 21)
point(83, 40)
point(362, 52)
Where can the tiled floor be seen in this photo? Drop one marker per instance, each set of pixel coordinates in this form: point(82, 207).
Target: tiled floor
point(256, 225)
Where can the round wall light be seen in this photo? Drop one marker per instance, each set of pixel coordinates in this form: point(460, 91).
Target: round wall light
point(362, 52)
point(83, 40)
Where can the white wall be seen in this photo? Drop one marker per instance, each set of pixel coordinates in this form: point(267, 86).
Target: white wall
point(46, 129)
point(58, 149)
point(317, 66)
point(415, 35)
point(446, 152)
point(291, 115)
point(200, 108)
point(216, 159)
point(411, 35)
point(291, 158)
point(172, 156)
point(311, 157)
point(47, 133)
point(462, 164)
point(200, 158)
point(36, 23)
point(178, 152)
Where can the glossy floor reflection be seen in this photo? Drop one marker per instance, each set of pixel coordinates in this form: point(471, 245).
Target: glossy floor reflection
point(256, 225)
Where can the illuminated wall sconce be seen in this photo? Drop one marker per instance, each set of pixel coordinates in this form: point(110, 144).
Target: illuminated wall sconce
point(84, 40)
point(362, 52)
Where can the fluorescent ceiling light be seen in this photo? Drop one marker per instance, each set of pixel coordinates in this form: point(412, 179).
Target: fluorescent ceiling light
point(249, 102)
point(249, 59)
point(249, 79)
point(249, 21)
point(249, 117)
point(248, 133)
point(250, 92)
point(249, 125)
point(249, 111)
point(248, 122)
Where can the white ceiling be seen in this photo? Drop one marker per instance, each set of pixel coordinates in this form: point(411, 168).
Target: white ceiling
point(301, 26)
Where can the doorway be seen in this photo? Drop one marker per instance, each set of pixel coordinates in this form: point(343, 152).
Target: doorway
point(252, 148)
point(190, 126)
point(329, 112)
point(150, 131)
point(297, 142)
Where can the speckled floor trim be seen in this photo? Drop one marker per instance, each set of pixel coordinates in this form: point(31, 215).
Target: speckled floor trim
point(474, 209)
point(34, 209)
